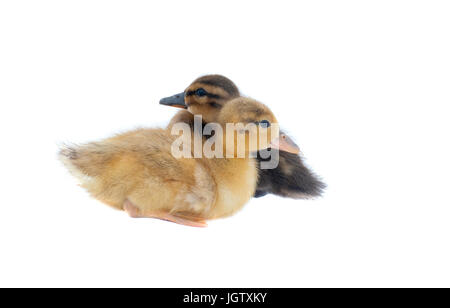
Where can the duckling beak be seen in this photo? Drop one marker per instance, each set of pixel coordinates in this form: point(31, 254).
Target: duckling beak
point(286, 144)
point(176, 100)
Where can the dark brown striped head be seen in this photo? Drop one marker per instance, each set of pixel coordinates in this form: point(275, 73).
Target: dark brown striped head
point(205, 96)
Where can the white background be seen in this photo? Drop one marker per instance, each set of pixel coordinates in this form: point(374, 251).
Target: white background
point(363, 86)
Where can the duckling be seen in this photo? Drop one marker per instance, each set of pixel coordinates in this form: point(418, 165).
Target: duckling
point(206, 96)
point(136, 171)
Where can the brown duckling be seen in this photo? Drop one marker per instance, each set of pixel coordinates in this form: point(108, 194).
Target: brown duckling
point(206, 96)
point(137, 172)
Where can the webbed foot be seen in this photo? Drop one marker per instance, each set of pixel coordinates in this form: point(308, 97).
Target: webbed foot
point(134, 212)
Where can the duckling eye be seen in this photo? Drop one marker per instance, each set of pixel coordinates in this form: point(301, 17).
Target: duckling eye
point(200, 92)
point(264, 123)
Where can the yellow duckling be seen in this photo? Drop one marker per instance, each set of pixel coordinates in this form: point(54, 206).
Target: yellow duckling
point(137, 172)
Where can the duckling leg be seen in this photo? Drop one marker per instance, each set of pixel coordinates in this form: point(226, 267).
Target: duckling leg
point(134, 212)
point(131, 209)
point(182, 221)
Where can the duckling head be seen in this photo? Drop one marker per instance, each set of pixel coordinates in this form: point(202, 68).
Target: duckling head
point(255, 125)
point(205, 96)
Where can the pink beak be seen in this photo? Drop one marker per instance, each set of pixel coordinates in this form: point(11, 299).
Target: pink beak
point(284, 143)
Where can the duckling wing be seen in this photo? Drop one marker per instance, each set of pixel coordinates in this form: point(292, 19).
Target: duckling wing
point(182, 187)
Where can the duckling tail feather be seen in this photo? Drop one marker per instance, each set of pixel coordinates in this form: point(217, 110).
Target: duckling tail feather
point(85, 160)
point(291, 179)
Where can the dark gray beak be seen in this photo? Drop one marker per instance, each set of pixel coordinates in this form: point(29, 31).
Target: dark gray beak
point(176, 100)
